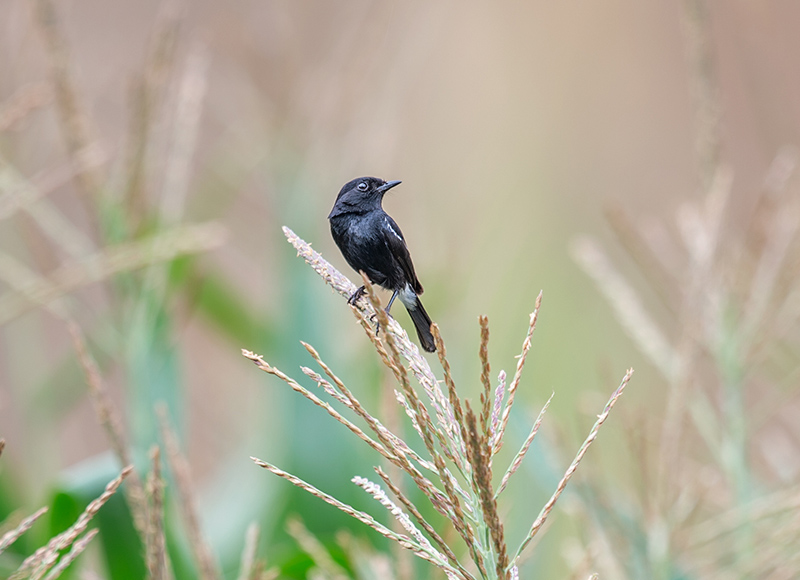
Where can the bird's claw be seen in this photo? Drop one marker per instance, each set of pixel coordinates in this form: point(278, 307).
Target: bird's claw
point(378, 324)
point(356, 296)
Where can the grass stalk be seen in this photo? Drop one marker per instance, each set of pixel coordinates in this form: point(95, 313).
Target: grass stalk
point(459, 443)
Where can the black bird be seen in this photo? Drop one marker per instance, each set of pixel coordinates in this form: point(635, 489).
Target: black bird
point(372, 242)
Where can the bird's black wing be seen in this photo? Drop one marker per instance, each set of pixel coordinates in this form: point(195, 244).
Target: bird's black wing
point(396, 243)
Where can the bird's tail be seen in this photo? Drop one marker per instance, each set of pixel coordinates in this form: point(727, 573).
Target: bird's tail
point(422, 322)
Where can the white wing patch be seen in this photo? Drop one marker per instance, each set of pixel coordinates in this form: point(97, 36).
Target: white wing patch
point(391, 229)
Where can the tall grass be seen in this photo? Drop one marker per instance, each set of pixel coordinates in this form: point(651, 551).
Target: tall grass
point(455, 473)
point(110, 301)
point(717, 487)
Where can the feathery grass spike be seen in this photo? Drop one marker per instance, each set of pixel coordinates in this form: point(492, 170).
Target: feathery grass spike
point(452, 434)
point(515, 463)
point(512, 389)
point(11, 536)
point(548, 507)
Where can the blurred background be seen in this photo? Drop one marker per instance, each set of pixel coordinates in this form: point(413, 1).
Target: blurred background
point(151, 151)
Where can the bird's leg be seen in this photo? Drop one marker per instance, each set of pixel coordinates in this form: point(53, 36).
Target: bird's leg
point(387, 309)
point(389, 306)
point(357, 295)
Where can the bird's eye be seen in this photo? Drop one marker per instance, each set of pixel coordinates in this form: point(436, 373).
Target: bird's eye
point(362, 186)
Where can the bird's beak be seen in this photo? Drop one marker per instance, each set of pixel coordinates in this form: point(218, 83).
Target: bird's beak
point(388, 185)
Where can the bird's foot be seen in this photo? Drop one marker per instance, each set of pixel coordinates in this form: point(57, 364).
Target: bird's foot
point(378, 324)
point(357, 295)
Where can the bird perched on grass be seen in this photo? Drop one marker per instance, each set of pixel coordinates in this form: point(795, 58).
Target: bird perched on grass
point(371, 242)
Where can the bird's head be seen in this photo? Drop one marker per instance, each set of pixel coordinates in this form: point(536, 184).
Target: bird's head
point(361, 195)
